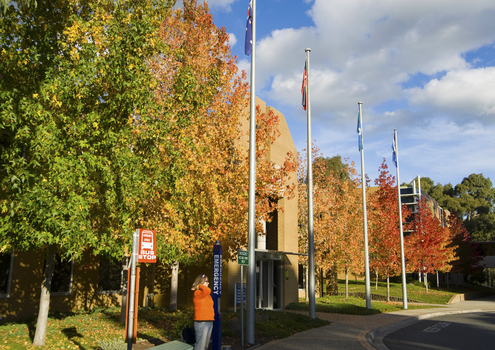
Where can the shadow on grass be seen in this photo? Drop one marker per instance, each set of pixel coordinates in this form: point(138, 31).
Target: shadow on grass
point(71, 333)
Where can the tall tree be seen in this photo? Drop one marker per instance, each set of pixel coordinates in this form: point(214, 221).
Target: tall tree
point(384, 226)
point(477, 195)
point(426, 246)
point(205, 103)
point(473, 200)
point(337, 215)
point(75, 90)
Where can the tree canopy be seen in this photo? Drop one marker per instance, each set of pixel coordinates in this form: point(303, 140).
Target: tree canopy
point(473, 201)
point(75, 91)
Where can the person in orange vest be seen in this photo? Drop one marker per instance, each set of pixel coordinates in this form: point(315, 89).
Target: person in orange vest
point(204, 314)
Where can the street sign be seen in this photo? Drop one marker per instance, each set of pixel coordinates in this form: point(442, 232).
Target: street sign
point(147, 246)
point(238, 293)
point(242, 257)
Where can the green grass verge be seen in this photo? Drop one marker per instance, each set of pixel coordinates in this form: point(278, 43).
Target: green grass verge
point(84, 330)
point(415, 290)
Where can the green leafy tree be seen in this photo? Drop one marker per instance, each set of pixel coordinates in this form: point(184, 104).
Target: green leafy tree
point(76, 96)
point(473, 202)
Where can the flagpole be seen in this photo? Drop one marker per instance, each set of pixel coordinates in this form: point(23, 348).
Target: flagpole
point(402, 258)
point(311, 244)
point(251, 277)
point(365, 219)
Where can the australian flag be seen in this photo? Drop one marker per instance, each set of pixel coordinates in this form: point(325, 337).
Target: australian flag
point(248, 46)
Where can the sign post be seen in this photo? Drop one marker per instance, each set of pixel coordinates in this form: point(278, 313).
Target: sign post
point(143, 251)
point(216, 294)
point(243, 260)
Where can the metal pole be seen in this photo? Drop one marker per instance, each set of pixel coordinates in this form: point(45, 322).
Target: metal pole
point(251, 277)
point(132, 289)
point(242, 305)
point(365, 226)
point(402, 258)
point(311, 244)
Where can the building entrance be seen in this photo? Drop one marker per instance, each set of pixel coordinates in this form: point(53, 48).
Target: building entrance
point(269, 284)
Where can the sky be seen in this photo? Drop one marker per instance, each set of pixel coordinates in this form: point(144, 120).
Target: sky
point(425, 68)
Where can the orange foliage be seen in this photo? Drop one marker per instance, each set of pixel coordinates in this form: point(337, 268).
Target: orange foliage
point(206, 197)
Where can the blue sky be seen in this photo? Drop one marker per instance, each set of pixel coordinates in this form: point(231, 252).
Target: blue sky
point(425, 68)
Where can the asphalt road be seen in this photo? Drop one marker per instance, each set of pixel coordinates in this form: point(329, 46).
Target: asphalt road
point(449, 332)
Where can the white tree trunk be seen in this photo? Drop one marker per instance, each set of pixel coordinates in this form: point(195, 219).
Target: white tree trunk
point(174, 286)
point(40, 334)
point(438, 281)
point(376, 284)
point(426, 281)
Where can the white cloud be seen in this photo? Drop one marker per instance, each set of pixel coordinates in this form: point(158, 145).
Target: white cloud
point(232, 39)
point(224, 4)
point(365, 50)
point(467, 92)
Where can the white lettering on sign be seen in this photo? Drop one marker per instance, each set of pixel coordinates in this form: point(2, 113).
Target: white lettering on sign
point(147, 249)
point(216, 274)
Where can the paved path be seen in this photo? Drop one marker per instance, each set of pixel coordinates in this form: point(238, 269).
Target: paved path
point(351, 332)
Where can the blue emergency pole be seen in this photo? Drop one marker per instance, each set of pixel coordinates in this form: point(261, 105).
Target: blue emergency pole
point(216, 293)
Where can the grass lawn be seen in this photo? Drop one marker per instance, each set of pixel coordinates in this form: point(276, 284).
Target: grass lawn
point(84, 330)
point(415, 290)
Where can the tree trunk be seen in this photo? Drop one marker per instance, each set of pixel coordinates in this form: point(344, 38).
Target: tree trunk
point(419, 275)
point(318, 283)
point(376, 284)
point(332, 282)
point(346, 282)
point(307, 283)
point(174, 286)
point(123, 308)
point(426, 281)
point(438, 281)
point(388, 288)
point(46, 285)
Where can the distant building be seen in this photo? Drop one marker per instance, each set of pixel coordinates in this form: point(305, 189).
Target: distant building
point(410, 196)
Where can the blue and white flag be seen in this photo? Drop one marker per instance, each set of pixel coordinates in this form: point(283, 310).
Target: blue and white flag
point(394, 151)
point(248, 45)
point(360, 131)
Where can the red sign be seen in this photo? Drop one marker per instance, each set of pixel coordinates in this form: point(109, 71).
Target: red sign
point(147, 246)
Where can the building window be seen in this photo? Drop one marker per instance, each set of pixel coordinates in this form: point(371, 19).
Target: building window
point(62, 277)
point(111, 278)
point(6, 263)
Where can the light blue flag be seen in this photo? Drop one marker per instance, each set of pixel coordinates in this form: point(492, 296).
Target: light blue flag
point(394, 151)
point(360, 132)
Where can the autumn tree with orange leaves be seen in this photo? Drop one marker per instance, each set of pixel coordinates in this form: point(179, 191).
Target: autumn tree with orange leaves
point(427, 247)
point(384, 229)
point(337, 217)
point(204, 103)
